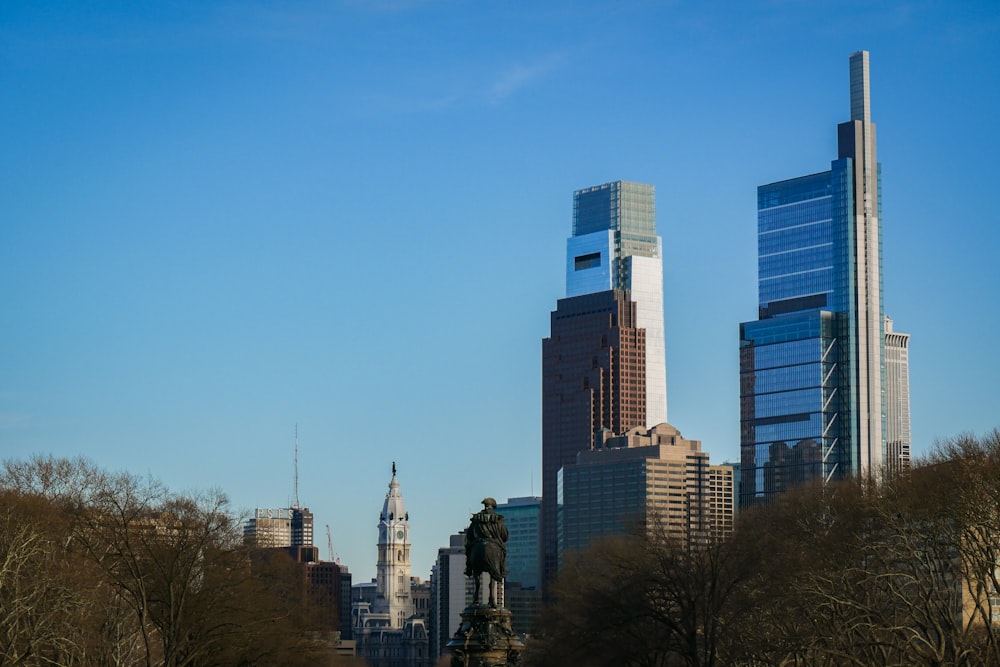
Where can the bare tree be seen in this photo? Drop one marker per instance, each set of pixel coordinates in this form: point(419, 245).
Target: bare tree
point(112, 569)
point(649, 601)
point(171, 559)
point(595, 618)
point(899, 572)
point(41, 611)
point(968, 472)
point(59, 480)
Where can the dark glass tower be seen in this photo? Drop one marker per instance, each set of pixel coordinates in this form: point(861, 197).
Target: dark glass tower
point(812, 367)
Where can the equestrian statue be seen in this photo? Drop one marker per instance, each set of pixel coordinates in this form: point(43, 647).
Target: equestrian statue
point(486, 551)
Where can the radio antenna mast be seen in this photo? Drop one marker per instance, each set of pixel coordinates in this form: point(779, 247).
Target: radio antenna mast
point(296, 466)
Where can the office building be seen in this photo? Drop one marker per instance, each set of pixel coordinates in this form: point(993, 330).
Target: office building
point(897, 399)
point(615, 246)
point(420, 591)
point(720, 499)
point(451, 593)
point(645, 479)
point(603, 364)
point(525, 606)
point(330, 589)
point(811, 365)
point(735, 465)
point(302, 526)
point(593, 379)
point(327, 586)
point(521, 516)
point(362, 598)
point(522, 593)
point(280, 527)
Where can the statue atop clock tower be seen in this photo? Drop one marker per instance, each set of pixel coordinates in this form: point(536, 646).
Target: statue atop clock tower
point(392, 596)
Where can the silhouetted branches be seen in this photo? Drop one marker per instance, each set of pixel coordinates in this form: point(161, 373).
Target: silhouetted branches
point(903, 572)
point(101, 569)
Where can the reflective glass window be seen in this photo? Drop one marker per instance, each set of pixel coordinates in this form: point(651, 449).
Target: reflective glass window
point(788, 377)
point(788, 402)
point(785, 354)
point(797, 430)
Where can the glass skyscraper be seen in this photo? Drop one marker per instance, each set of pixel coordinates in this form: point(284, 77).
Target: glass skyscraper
point(812, 367)
point(521, 517)
point(603, 363)
point(615, 246)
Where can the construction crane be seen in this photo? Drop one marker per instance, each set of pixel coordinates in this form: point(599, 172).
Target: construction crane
point(329, 545)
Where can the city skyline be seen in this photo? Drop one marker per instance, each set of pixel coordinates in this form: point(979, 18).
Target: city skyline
point(220, 220)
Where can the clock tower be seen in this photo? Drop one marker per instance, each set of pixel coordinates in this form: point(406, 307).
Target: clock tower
point(392, 596)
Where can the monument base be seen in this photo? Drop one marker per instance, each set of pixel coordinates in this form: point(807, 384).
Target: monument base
point(485, 639)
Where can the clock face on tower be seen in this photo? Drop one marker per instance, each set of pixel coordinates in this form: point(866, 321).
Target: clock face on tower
point(399, 534)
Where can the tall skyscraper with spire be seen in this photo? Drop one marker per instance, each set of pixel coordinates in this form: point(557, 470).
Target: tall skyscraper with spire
point(812, 367)
point(603, 366)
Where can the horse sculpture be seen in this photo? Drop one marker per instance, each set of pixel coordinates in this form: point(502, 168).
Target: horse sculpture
point(485, 551)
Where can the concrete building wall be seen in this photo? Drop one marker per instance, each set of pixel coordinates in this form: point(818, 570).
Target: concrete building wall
point(654, 479)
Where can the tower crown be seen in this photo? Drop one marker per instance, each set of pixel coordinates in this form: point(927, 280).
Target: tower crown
point(393, 508)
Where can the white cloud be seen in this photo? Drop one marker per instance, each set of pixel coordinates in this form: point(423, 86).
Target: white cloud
point(518, 76)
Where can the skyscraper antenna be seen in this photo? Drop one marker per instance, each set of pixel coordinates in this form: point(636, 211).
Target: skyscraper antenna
point(296, 506)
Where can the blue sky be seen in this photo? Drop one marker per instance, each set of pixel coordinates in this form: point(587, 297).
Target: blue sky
point(222, 219)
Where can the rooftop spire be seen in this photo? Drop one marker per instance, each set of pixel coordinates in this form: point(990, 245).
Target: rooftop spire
point(393, 508)
point(860, 87)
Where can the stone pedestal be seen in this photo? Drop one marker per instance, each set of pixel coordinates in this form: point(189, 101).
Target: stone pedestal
point(485, 639)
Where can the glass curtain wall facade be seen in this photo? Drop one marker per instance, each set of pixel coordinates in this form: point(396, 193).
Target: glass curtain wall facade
point(627, 209)
point(615, 246)
point(521, 518)
point(812, 367)
point(790, 404)
point(602, 498)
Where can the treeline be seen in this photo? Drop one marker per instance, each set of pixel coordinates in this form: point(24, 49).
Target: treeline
point(100, 569)
point(902, 573)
